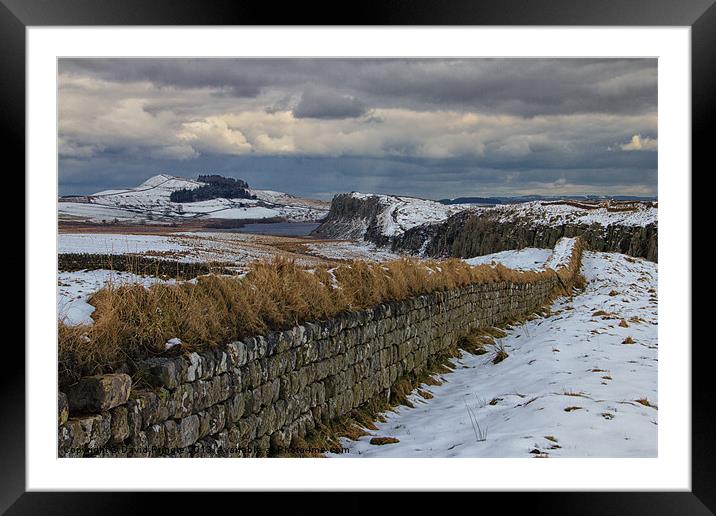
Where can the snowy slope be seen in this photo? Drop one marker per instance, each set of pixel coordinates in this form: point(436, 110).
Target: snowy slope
point(529, 258)
point(570, 387)
point(151, 201)
point(403, 213)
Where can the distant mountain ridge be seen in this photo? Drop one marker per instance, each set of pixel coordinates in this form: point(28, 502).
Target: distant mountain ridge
point(530, 198)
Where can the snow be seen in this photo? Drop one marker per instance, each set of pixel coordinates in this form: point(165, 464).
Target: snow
point(556, 214)
point(75, 288)
point(113, 243)
point(94, 212)
point(529, 258)
point(176, 341)
point(352, 251)
point(239, 249)
point(525, 404)
point(562, 253)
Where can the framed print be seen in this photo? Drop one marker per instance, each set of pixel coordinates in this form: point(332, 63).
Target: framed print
point(350, 256)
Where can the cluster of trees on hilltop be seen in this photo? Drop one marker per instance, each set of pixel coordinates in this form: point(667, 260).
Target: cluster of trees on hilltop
point(216, 187)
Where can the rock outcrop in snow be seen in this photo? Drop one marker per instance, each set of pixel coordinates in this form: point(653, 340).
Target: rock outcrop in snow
point(380, 218)
point(485, 231)
point(429, 228)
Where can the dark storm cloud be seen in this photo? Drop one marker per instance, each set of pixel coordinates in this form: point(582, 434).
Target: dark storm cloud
point(525, 87)
point(425, 127)
point(325, 104)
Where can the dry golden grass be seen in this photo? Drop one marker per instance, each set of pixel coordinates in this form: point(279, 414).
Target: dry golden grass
point(380, 441)
point(132, 321)
point(644, 401)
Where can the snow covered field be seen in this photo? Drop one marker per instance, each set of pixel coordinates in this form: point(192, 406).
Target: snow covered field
point(579, 383)
point(113, 243)
point(191, 247)
point(352, 251)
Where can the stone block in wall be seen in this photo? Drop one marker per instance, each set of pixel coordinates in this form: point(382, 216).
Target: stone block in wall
point(275, 389)
point(171, 434)
point(208, 364)
point(267, 421)
point(182, 401)
point(213, 446)
point(247, 428)
point(235, 408)
point(139, 445)
point(280, 342)
point(281, 439)
point(310, 351)
point(237, 354)
point(256, 402)
point(63, 408)
point(156, 436)
point(276, 365)
point(251, 374)
point(263, 349)
point(187, 431)
point(194, 368)
point(93, 431)
point(162, 371)
point(284, 390)
point(219, 389)
point(147, 403)
point(200, 395)
point(93, 394)
point(217, 418)
point(262, 446)
point(77, 434)
point(221, 364)
point(65, 439)
point(281, 408)
point(234, 439)
point(119, 427)
point(226, 386)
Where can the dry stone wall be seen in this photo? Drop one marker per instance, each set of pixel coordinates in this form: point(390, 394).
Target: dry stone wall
point(256, 396)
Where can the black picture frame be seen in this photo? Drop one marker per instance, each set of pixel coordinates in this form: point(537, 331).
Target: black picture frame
point(700, 15)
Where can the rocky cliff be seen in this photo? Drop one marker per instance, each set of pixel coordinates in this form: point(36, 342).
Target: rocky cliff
point(468, 234)
point(427, 228)
point(380, 218)
point(353, 218)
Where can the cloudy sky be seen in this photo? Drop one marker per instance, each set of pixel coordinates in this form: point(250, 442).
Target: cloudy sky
point(425, 127)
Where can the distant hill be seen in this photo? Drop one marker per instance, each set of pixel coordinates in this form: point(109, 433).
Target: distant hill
point(166, 198)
